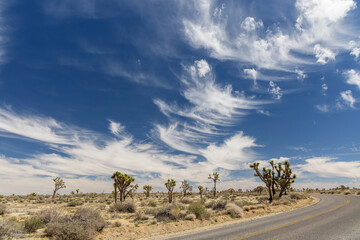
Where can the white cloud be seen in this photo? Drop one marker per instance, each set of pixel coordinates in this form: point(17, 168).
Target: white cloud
point(319, 21)
point(300, 74)
point(323, 55)
point(355, 52)
point(250, 24)
point(251, 74)
point(327, 167)
point(347, 98)
point(261, 111)
point(275, 90)
point(202, 67)
point(323, 108)
point(352, 77)
point(324, 89)
point(42, 129)
point(231, 153)
point(116, 128)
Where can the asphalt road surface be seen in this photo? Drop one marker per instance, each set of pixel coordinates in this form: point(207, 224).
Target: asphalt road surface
point(335, 217)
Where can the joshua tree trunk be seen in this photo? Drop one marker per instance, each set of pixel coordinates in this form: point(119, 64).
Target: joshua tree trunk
point(214, 189)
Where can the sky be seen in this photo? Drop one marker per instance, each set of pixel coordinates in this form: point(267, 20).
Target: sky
point(177, 89)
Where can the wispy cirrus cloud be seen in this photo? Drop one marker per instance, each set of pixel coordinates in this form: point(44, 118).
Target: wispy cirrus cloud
point(316, 31)
point(328, 167)
point(211, 108)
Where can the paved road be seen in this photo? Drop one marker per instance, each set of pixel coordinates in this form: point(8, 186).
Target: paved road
point(335, 217)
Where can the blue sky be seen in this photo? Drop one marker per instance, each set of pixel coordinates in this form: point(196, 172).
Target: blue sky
point(177, 89)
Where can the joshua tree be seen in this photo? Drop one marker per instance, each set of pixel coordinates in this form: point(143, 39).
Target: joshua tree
point(170, 187)
point(185, 187)
point(59, 184)
point(266, 177)
point(123, 183)
point(259, 189)
point(77, 191)
point(215, 178)
point(286, 177)
point(147, 191)
point(201, 191)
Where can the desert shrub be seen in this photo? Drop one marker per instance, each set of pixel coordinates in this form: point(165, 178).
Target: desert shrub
point(32, 224)
point(90, 216)
point(358, 193)
point(9, 229)
point(141, 216)
point(125, 207)
point(298, 196)
point(190, 217)
point(75, 203)
point(210, 204)
point(2, 209)
point(152, 204)
point(48, 215)
point(81, 226)
point(285, 201)
point(199, 210)
point(347, 192)
point(65, 228)
point(234, 210)
point(249, 207)
point(219, 205)
point(170, 212)
point(186, 200)
point(259, 206)
point(243, 203)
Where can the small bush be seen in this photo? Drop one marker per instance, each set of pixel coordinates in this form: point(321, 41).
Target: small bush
point(190, 217)
point(2, 210)
point(141, 216)
point(48, 215)
point(75, 203)
point(81, 226)
point(9, 229)
point(126, 207)
point(152, 204)
point(91, 217)
point(358, 193)
point(199, 210)
point(186, 200)
point(234, 210)
point(347, 192)
point(210, 204)
point(170, 212)
point(297, 196)
point(65, 228)
point(32, 224)
point(249, 207)
point(219, 205)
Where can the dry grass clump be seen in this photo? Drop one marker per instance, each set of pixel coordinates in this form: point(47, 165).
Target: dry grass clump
point(234, 210)
point(10, 229)
point(125, 207)
point(48, 215)
point(141, 216)
point(2, 209)
point(170, 212)
point(209, 204)
point(219, 205)
point(190, 217)
point(152, 204)
point(83, 225)
point(249, 207)
point(199, 210)
point(32, 224)
point(75, 203)
point(186, 200)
